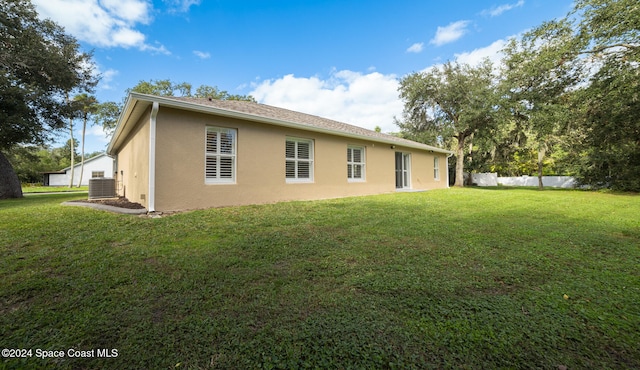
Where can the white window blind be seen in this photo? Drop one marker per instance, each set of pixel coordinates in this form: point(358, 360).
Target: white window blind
point(355, 164)
point(220, 155)
point(299, 160)
point(436, 168)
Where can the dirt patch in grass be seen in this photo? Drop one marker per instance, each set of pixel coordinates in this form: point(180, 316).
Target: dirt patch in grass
point(120, 202)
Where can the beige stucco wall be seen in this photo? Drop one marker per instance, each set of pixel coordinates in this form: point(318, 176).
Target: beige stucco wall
point(132, 172)
point(260, 177)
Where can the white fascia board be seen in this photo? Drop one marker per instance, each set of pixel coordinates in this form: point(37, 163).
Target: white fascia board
point(122, 120)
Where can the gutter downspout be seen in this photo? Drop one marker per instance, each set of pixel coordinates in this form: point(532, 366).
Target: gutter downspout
point(447, 161)
point(152, 157)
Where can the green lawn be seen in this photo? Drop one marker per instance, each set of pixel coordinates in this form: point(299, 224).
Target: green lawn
point(51, 189)
point(458, 278)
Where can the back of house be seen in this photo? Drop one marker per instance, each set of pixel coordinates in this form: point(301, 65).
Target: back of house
point(186, 153)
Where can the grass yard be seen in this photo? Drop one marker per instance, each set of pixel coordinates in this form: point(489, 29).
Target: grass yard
point(28, 189)
point(458, 278)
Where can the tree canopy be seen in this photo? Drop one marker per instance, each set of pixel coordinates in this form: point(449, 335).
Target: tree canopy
point(40, 66)
point(608, 38)
point(568, 95)
point(108, 112)
point(454, 101)
point(535, 78)
point(170, 88)
point(595, 54)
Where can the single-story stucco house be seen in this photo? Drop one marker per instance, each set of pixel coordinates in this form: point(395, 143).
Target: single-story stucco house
point(178, 153)
point(100, 165)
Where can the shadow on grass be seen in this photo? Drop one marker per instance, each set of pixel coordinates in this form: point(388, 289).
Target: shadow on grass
point(528, 188)
point(39, 199)
point(550, 188)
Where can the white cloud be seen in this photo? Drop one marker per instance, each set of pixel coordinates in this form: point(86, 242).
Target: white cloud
point(365, 100)
point(498, 10)
point(110, 23)
point(416, 48)
point(94, 139)
point(109, 74)
point(202, 54)
point(181, 5)
point(450, 33)
point(475, 57)
point(127, 37)
point(106, 77)
point(493, 52)
point(157, 49)
point(133, 11)
point(96, 131)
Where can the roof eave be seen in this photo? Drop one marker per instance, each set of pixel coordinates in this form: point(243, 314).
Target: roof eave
point(163, 101)
point(122, 122)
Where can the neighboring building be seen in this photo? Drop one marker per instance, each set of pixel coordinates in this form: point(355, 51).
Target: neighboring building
point(186, 153)
point(99, 166)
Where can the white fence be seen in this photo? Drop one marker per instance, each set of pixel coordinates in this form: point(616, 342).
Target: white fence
point(492, 179)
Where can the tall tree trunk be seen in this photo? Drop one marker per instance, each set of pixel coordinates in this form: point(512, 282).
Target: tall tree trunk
point(541, 153)
point(9, 183)
point(84, 129)
point(460, 162)
point(73, 154)
point(469, 140)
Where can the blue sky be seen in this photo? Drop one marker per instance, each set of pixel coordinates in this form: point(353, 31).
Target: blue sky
point(337, 59)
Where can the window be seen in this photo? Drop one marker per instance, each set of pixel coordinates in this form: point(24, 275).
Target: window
point(220, 156)
point(96, 174)
point(436, 168)
point(355, 163)
point(299, 160)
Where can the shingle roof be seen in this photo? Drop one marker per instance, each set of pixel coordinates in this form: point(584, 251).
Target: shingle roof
point(137, 103)
point(303, 119)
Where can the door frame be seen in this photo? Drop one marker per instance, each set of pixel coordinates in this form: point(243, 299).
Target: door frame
point(403, 170)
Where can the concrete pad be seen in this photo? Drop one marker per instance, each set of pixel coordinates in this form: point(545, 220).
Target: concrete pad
point(104, 207)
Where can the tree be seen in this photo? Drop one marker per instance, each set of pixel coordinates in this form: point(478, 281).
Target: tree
point(169, 88)
point(212, 92)
point(86, 106)
point(72, 144)
point(30, 161)
point(611, 121)
point(25, 158)
point(608, 35)
point(454, 101)
point(601, 39)
point(10, 186)
point(39, 64)
point(537, 75)
point(161, 88)
point(106, 115)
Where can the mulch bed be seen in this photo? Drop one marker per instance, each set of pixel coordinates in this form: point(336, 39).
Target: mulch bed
point(115, 202)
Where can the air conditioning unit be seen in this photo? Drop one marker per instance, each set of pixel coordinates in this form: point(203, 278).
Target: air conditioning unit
point(101, 187)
